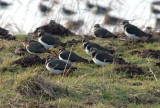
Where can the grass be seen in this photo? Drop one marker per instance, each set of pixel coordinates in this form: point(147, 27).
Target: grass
point(88, 86)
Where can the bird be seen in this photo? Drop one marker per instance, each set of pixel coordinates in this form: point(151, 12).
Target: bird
point(4, 4)
point(133, 32)
point(100, 10)
point(44, 9)
point(155, 10)
point(57, 66)
point(155, 3)
point(89, 5)
point(102, 33)
point(74, 25)
point(112, 20)
point(87, 45)
point(100, 57)
point(70, 57)
point(47, 40)
point(34, 47)
point(67, 11)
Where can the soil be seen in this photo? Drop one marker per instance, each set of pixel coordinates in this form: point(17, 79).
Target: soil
point(19, 51)
point(158, 64)
point(121, 61)
point(29, 61)
point(39, 87)
point(129, 70)
point(55, 29)
point(72, 42)
point(148, 53)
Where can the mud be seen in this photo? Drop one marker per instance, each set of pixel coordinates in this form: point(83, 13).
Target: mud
point(148, 53)
point(29, 61)
point(19, 51)
point(72, 42)
point(37, 86)
point(129, 70)
point(55, 29)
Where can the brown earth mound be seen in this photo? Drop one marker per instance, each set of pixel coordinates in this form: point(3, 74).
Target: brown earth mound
point(4, 34)
point(129, 70)
point(29, 61)
point(55, 29)
point(148, 53)
point(72, 42)
point(39, 87)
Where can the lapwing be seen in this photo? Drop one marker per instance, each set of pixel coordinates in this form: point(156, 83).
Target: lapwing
point(99, 10)
point(102, 33)
point(34, 47)
point(67, 11)
point(155, 3)
point(101, 58)
point(4, 4)
point(44, 9)
point(112, 20)
point(47, 40)
point(133, 32)
point(87, 45)
point(57, 66)
point(70, 57)
point(89, 5)
point(74, 25)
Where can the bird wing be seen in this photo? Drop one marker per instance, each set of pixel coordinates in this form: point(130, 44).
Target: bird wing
point(58, 64)
point(102, 56)
point(36, 47)
point(49, 39)
point(103, 33)
point(134, 30)
point(72, 56)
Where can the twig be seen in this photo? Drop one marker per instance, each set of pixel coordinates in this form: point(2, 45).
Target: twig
point(153, 74)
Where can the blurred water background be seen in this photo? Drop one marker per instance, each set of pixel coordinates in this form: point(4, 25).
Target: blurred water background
point(23, 16)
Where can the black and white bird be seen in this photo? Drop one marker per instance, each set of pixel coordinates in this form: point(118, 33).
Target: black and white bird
point(4, 4)
point(44, 9)
point(47, 40)
point(57, 66)
point(87, 45)
point(67, 11)
point(34, 47)
point(101, 58)
point(133, 32)
point(102, 33)
point(70, 57)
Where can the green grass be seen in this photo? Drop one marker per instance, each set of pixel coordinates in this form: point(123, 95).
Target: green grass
point(88, 86)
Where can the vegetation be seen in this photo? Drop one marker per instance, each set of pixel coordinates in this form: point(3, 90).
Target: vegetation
point(88, 86)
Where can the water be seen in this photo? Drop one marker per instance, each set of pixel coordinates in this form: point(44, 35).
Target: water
point(23, 16)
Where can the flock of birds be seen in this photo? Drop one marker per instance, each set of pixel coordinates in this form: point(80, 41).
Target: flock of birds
point(100, 55)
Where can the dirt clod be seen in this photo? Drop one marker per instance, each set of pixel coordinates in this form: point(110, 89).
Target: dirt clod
point(55, 29)
point(148, 53)
point(72, 42)
point(129, 70)
point(29, 61)
point(37, 86)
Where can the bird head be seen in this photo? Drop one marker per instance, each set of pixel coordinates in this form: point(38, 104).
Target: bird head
point(97, 26)
point(125, 22)
point(52, 22)
point(93, 51)
point(49, 58)
point(40, 32)
point(61, 49)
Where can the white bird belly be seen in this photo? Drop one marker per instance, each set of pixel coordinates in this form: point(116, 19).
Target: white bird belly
point(55, 71)
point(98, 62)
point(133, 36)
point(44, 44)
